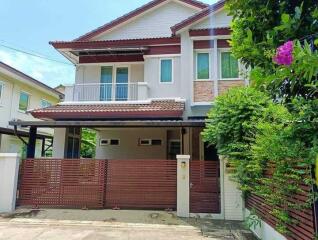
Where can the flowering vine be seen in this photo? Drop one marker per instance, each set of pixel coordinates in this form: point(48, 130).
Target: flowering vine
point(284, 55)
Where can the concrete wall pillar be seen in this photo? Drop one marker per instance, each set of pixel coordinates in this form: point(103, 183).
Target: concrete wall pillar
point(233, 204)
point(59, 142)
point(183, 185)
point(9, 171)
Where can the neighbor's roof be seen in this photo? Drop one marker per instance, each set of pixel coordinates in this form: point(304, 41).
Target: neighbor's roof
point(198, 16)
point(28, 78)
point(132, 14)
point(154, 109)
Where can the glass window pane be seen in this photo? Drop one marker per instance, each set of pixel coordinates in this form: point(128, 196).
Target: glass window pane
point(203, 66)
point(229, 66)
point(107, 75)
point(24, 101)
point(122, 75)
point(45, 104)
point(166, 71)
point(122, 84)
point(106, 83)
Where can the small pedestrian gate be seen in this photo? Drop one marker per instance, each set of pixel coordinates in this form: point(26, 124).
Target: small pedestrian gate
point(204, 187)
point(79, 183)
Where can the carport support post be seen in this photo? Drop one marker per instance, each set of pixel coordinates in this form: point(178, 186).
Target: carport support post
point(183, 185)
point(31, 143)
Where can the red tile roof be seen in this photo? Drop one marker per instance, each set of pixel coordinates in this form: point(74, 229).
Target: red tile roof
point(155, 109)
point(115, 43)
point(132, 14)
point(198, 16)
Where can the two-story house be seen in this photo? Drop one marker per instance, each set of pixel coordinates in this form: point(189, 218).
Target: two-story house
point(145, 82)
point(18, 94)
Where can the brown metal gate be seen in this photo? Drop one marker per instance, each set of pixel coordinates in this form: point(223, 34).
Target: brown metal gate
point(204, 187)
point(78, 183)
point(74, 183)
point(144, 184)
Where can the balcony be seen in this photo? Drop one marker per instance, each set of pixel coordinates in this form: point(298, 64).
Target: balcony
point(92, 92)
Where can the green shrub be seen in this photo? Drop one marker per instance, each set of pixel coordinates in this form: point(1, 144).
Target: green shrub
point(231, 127)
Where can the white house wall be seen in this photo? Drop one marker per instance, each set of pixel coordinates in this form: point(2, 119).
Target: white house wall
point(163, 90)
point(219, 19)
point(9, 102)
point(129, 148)
point(155, 23)
point(12, 144)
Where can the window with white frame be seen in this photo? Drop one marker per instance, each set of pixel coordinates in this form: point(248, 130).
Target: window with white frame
point(229, 66)
point(24, 101)
point(45, 103)
point(150, 142)
point(166, 71)
point(109, 142)
point(203, 66)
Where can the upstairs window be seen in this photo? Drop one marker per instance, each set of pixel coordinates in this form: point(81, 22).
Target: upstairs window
point(24, 101)
point(166, 70)
point(229, 66)
point(45, 103)
point(203, 66)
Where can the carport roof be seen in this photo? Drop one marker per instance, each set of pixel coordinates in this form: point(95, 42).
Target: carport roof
point(114, 124)
point(152, 109)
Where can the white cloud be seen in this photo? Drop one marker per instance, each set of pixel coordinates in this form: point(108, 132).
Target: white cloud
point(46, 71)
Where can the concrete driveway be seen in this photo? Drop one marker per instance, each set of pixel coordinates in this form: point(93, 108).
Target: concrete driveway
point(22, 229)
point(64, 224)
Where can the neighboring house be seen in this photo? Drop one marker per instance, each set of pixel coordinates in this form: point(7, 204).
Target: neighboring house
point(145, 82)
point(60, 88)
point(20, 93)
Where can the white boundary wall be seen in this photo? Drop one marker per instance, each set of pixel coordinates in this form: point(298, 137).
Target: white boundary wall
point(9, 171)
point(265, 231)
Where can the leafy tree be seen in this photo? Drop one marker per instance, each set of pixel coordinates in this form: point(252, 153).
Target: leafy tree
point(88, 144)
point(260, 27)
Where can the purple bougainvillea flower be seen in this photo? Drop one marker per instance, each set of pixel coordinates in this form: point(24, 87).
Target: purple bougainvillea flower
point(284, 55)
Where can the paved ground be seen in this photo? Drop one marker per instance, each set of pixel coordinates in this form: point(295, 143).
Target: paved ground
point(59, 224)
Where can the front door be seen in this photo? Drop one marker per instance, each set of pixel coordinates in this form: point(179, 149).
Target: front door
point(121, 84)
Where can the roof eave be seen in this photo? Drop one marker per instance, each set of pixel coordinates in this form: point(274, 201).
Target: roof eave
point(196, 18)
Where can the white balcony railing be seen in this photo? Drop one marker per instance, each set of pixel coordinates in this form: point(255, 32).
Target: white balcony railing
point(107, 92)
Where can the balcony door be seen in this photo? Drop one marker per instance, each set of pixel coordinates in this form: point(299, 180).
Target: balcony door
point(122, 84)
point(106, 83)
point(114, 84)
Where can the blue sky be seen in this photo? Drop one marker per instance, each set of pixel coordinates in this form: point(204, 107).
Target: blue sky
point(30, 25)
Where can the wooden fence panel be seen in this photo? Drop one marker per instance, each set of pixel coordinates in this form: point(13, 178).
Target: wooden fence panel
point(302, 229)
point(141, 184)
point(75, 183)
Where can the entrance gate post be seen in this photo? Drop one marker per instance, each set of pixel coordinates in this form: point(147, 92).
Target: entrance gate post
point(183, 185)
